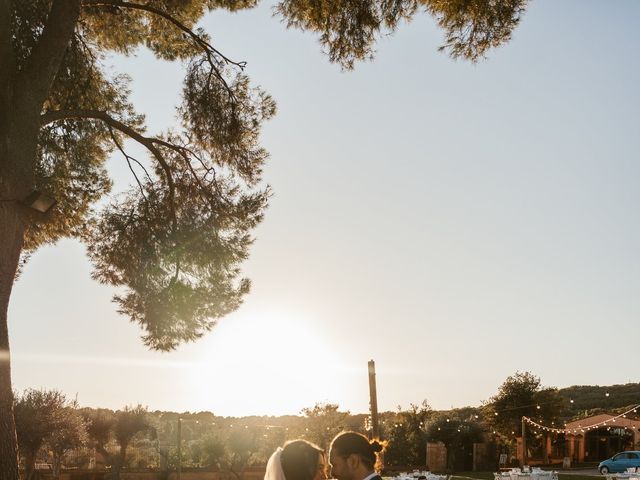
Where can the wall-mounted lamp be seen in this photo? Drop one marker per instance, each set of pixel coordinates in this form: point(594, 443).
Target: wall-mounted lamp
point(41, 202)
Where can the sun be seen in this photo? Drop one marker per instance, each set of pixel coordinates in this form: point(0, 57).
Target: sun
point(264, 363)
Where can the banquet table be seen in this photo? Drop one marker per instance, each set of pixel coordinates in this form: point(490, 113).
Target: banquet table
point(536, 475)
point(429, 475)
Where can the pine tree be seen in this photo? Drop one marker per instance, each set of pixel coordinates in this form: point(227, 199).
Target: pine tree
point(173, 242)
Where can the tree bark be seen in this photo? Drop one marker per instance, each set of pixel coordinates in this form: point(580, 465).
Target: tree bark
point(21, 98)
point(11, 235)
point(18, 141)
point(117, 464)
point(11, 232)
point(30, 465)
point(57, 464)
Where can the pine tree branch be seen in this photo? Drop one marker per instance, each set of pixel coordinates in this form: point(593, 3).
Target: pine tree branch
point(206, 47)
point(128, 158)
point(149, 143)
point(42, 67)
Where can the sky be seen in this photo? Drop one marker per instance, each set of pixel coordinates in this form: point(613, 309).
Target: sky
point(454, 222)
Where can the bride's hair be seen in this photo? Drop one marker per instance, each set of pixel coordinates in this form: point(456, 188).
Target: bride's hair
point(353, 443)
point(300, 460)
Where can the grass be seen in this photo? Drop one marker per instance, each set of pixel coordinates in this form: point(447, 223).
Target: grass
point(489, 476)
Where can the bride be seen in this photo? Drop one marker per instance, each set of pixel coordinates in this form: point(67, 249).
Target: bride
point(297, 460)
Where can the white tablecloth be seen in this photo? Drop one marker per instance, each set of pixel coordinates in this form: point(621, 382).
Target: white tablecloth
point(542, 475)
point(430, 476)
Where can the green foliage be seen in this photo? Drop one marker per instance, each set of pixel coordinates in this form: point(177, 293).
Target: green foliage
point(70, 434)
point(323, 421)
point(240, 451)
point(121, 428)
point(521, 395)
point(176, 240)
point(457, 431)
point(348, 29)
point(174, 243)
point(99, 425)
point(46, 416)
point(209, 451)
point(407, 436)
point(472, 27)
point(129, 423)
point(587, 400)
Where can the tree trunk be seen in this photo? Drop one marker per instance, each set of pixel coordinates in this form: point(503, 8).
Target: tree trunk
point(18, 143)
point(11, 235)
point(117, 464)
point(22, 95)
point(57, 464)
point(10, 243)
point(29, 465)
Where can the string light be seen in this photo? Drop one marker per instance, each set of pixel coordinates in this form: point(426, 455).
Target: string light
point(580, 427)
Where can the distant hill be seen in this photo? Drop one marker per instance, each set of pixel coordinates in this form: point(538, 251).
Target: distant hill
point(592, 399)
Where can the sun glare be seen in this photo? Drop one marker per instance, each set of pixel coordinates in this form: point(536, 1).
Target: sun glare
point(264, 364)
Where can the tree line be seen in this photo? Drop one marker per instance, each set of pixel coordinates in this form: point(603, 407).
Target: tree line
point(54, 428)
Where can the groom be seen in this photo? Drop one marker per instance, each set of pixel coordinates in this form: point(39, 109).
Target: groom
point(353, 457)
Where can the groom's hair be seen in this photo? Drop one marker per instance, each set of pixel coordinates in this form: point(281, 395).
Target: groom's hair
point(353, 443)
point(299, 460)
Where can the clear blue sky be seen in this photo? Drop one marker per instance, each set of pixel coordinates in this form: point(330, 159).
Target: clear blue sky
point(454, 222)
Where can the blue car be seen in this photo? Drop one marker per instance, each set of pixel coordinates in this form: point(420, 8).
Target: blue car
point(620, 462)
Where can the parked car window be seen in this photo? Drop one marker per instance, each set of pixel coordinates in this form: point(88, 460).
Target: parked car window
point(633, 455)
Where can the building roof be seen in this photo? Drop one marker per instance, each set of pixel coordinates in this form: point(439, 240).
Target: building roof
point(604, 417)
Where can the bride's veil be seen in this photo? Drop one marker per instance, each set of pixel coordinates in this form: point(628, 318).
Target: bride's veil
point(274, 467)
